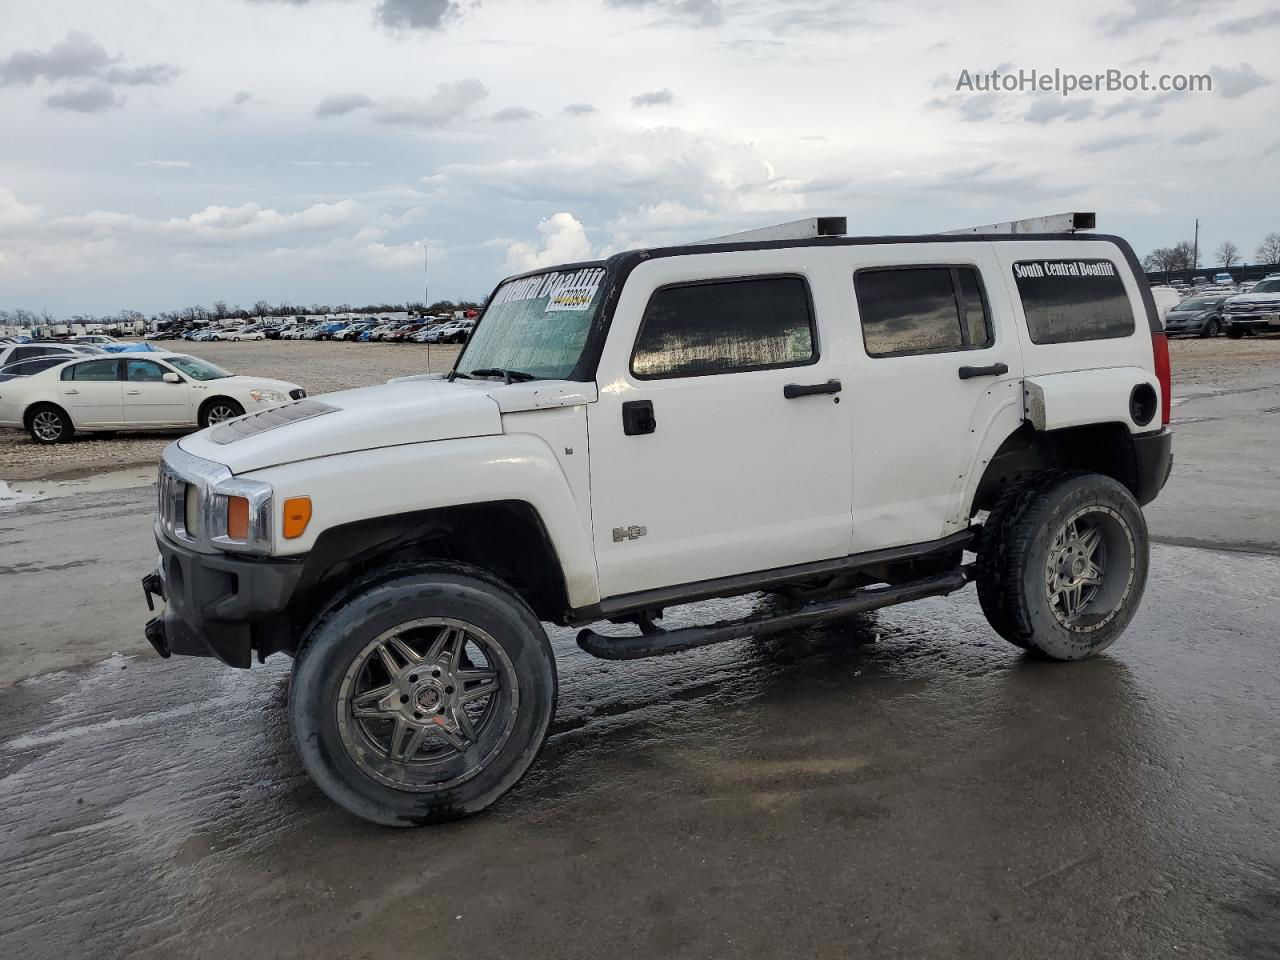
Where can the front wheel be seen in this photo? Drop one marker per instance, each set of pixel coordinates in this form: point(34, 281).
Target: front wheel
point(1234, 333)
point(424, 698)
point(1063, 564)
point(1211, 329)
point(218, 410)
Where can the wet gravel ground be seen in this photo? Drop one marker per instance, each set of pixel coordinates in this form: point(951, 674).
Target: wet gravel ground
point(902, 785)
point(905, 784)
point(320, 367)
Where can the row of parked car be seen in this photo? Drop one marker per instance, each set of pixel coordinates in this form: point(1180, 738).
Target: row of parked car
point(1221, 308)
point(429, 330)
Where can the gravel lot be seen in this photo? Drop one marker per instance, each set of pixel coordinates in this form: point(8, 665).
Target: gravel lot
point(322, 367)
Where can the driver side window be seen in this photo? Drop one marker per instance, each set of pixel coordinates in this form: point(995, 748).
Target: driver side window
point(144, 371)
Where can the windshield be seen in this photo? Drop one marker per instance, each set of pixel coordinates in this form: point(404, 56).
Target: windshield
point(197, 369)
point(1197, 305)
point(536, 325)
point(1267, 286)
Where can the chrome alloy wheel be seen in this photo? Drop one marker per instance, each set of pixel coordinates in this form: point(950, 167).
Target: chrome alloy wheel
point(428, 704)
point(220, 412)
point(47, 425)
point(1090, 569)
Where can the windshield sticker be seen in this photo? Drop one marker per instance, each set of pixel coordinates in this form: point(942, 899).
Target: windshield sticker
point(573, 290)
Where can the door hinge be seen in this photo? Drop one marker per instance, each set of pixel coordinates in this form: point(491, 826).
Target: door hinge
point(628, 533)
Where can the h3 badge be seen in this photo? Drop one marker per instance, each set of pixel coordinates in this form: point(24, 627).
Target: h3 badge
point(628, 533)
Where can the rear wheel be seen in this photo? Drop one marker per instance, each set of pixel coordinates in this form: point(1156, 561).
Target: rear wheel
point(1063, 564)
point(48, 425)
point(1211, 329)
point(424, 698)
point(218, 409)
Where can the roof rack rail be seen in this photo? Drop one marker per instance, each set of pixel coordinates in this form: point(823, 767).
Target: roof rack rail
point(1055, 223)
point(795, 230)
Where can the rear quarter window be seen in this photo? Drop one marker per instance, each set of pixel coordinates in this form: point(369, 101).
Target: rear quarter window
point(1066, 301)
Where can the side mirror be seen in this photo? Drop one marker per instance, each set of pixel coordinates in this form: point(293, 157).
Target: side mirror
point(171, 377)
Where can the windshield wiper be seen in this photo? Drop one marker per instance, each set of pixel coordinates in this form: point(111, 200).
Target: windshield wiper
point(510, 376)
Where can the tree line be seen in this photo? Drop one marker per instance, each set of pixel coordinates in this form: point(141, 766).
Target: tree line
point(1184, 256)
point(220, 310)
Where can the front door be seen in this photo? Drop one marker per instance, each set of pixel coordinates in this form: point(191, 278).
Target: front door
point(91, 392)
point(149, 400)
point(718, 442)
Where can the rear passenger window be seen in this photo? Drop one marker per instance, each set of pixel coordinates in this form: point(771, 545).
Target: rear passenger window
point(1069, 300)
point(91, 370)
point(907, 310)
point(725, 326)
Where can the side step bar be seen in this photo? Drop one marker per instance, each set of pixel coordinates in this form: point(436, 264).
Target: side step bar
point(654, 642)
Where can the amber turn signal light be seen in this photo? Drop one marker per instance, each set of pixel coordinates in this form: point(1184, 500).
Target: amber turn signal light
point(238, 518)
point(297, 514)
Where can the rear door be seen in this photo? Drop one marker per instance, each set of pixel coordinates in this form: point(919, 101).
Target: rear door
point(719, 443)
point(935, 360)
point(92, 393)
point(149, 400)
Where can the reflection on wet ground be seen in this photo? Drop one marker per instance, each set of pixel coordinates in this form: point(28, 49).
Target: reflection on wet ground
point(902, 784)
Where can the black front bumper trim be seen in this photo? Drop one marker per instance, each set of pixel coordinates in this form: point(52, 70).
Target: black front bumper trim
point(213, 601)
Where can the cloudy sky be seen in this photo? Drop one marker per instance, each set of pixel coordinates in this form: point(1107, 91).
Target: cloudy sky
point(165, 152)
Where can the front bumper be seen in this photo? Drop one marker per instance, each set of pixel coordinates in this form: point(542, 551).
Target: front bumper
point(1253, 321)
point(1153, 453)
point(217, 605)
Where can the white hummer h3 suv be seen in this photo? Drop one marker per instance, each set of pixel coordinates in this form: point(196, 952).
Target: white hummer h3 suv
point(837, 420)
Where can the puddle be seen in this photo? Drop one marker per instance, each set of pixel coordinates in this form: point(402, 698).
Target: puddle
point(13, 492)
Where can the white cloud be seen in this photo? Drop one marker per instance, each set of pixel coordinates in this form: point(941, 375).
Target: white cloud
point(564, 240)
point(164, 164)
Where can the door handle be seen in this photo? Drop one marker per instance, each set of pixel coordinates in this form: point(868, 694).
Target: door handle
point(638, 418)
point(793, 390)
point(73, 393)
point(995, 370)
point(133, 393)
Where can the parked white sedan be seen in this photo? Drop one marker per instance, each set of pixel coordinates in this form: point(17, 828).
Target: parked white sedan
point(133, 392)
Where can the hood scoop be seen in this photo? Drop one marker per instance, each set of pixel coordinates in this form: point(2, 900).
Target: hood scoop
point(264, 420)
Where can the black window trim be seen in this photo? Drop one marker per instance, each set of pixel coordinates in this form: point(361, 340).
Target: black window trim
point(962, 311)
point(72, 366)
point(1022, 304)
point(816, 344)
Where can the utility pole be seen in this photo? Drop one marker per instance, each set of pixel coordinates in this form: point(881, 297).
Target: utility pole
point(1195, 250)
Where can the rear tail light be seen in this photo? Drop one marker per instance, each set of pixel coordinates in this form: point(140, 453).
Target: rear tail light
point(1160, 346)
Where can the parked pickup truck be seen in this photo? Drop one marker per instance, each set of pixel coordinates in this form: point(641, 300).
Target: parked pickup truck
point(846, 422)
point(1259, 309)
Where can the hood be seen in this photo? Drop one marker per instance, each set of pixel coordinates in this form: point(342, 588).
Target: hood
point(414, 411)
point(1244, 299)
point(254, 383)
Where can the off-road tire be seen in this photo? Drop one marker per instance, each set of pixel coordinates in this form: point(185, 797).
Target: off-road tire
point(60, 430)
point(1014, 553)
point(438, 590)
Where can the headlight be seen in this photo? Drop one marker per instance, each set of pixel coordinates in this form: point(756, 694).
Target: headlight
point(268, 396)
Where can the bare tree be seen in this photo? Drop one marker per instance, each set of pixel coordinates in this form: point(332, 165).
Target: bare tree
point(1269, 249)
point(1184, 256)
point(1228, 255)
